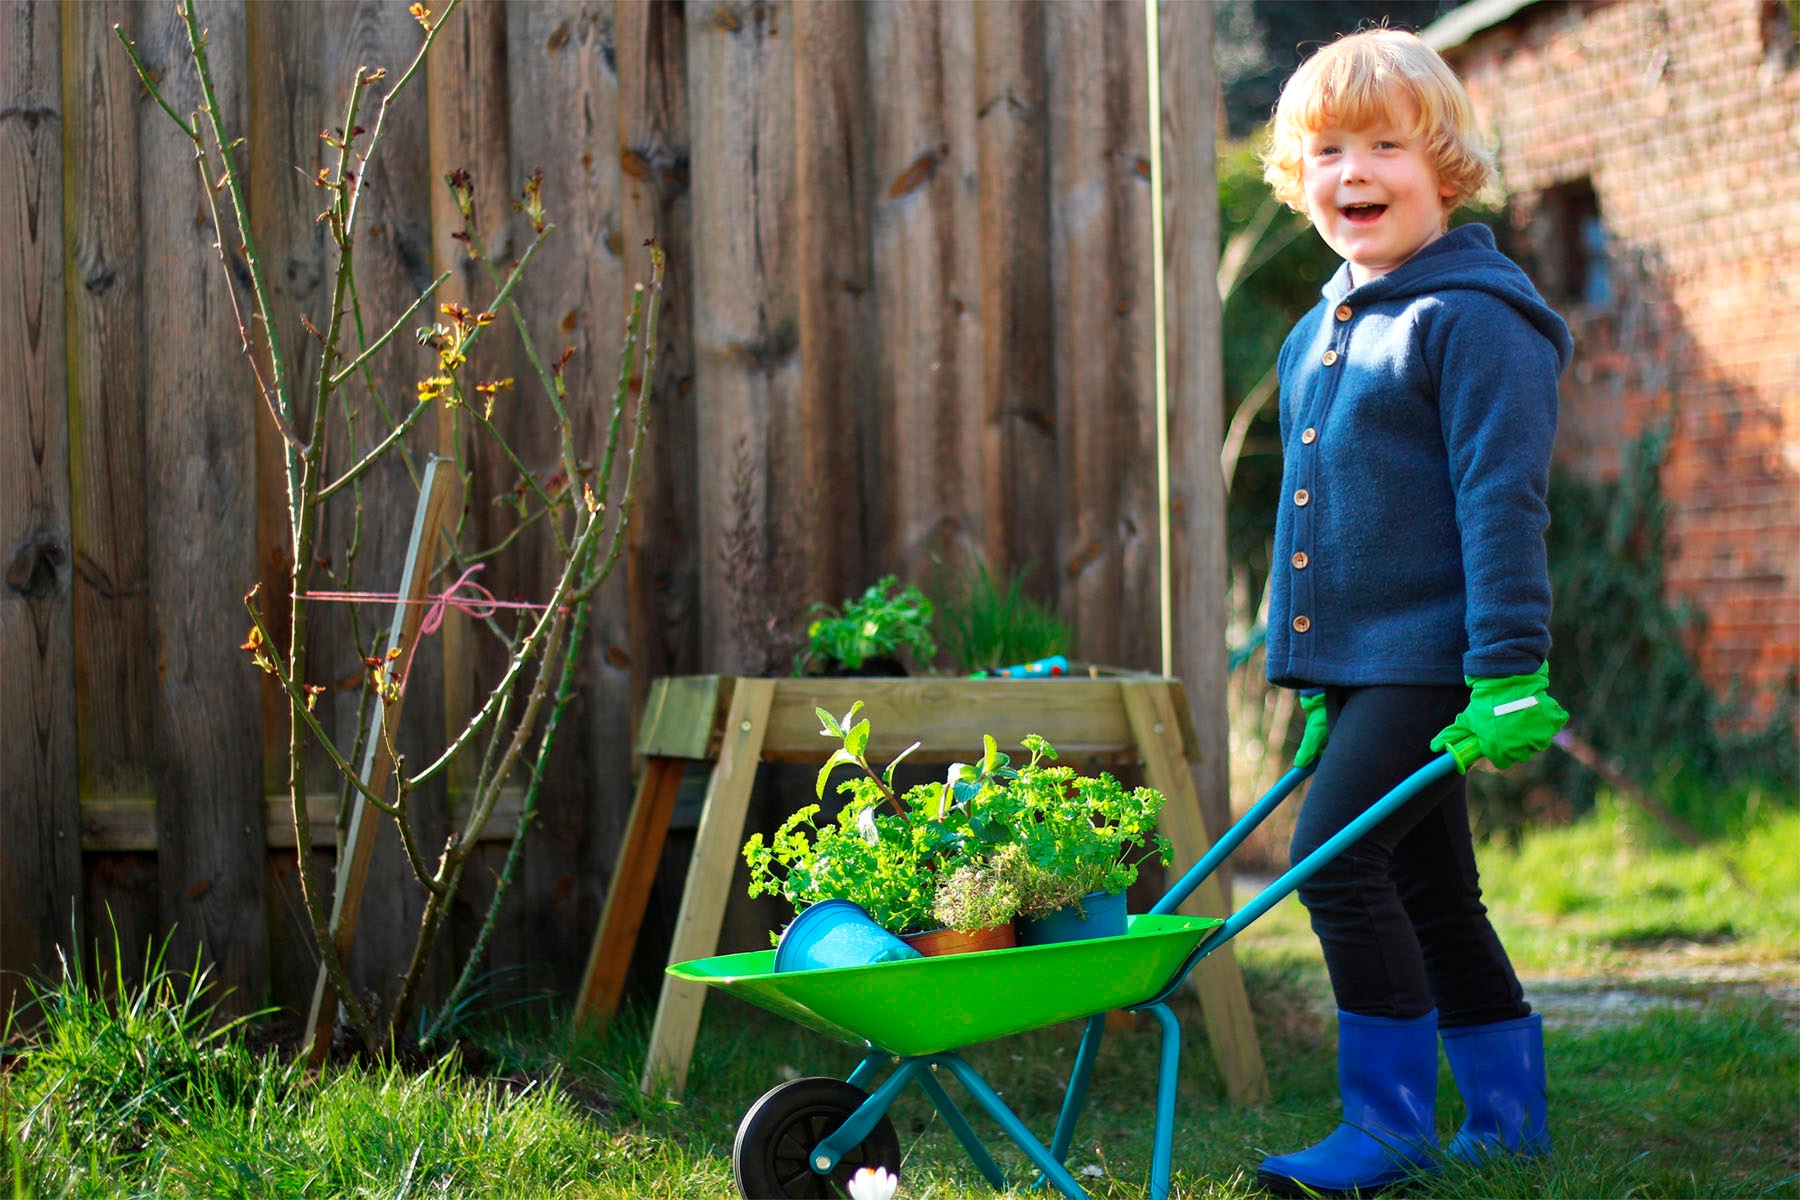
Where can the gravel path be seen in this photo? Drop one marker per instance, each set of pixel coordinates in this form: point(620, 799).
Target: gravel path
point(1623, 996)
point(1676, 974)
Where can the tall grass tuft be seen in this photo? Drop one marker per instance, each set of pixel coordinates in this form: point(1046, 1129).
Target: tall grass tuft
point(986, 622)
point(109, 1062)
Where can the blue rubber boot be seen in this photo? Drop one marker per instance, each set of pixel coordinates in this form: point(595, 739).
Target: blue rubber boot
point(1387, 1079)
point(1499, 1070)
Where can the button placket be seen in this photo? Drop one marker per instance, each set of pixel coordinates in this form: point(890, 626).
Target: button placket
point(1300, 588)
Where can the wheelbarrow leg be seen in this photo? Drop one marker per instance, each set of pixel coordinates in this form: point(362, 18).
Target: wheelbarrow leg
point(1165, 1101)
point(859, 1124)
point(965, 1133)
point(1036, 1151)
point(1076, 1096)
point(868, 1068)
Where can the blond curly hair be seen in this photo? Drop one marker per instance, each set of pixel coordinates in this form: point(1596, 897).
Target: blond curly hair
point(1359, 80)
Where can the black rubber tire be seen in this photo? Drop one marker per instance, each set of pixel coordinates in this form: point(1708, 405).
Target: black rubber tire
point(769, 1160)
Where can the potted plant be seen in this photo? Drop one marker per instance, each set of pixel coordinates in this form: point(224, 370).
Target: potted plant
point(990, 845)
point(886, 852)
point(866, 636)
point(1072, 843)
point(988, 623)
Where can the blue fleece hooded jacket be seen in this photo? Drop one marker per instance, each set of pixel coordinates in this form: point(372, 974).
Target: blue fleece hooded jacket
point(1417, 417)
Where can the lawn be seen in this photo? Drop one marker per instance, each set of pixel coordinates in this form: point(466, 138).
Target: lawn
point(1692, 1088)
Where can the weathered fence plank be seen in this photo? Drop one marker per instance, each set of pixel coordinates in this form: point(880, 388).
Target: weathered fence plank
point(662, 555)
point(393, 265)
point(1105, 373)
point(565, 103)
point(1196, 408)
point(746, 309)
point(926, 230)
point(1018, 359)
point(290, 98)
point(200, 409)
point(113, 668)
point(841, 452)
point(468, 114)
point(40, 865)
point(471, 129)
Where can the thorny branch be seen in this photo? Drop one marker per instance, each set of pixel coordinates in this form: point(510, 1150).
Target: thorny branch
point(588, 529)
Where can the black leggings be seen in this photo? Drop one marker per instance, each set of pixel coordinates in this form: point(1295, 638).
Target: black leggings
point(1399, 913)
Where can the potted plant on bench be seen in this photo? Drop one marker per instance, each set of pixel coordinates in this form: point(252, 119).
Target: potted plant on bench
point(866, 635)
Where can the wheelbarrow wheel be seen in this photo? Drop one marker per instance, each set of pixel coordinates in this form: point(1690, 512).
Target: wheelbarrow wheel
point(771, 1157)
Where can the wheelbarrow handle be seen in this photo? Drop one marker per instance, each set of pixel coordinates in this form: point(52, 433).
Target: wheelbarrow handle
point(1242, 828)
point(1305, 869)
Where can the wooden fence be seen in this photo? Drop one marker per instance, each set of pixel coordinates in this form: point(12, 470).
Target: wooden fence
point(909, 323)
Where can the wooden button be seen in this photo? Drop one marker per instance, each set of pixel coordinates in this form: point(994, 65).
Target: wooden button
point(1300, 560)
point(1302, 498)
point(1308, 436)
point(1331, 356)
point(1343, 312)
point(1302, 623)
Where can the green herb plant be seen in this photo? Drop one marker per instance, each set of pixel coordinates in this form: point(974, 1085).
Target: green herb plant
point(988, 623)
point(876, 624)
point(883, 861)
point(1072, 834)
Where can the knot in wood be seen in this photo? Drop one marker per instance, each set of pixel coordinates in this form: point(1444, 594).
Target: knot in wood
point(32, 572)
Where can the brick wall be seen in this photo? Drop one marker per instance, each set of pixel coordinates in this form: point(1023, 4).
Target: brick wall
point(1685, 117)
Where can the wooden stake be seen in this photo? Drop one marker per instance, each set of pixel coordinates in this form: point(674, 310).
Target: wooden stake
point(384, 723)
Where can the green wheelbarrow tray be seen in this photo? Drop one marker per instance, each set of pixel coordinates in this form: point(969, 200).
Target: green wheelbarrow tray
point(925, 1006)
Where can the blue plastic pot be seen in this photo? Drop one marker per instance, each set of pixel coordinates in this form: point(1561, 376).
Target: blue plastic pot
point(1099, 914)
point(836, 933)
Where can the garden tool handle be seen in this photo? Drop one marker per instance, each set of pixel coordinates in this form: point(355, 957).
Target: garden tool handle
point(1309, 866)
point(1278, 891)
point(1242, 828)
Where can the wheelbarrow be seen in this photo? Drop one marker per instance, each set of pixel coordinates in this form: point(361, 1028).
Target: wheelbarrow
point(807, 1137)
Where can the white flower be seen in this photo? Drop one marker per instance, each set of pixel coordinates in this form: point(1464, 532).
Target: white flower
point(873, 1184)
point(1093, 1170)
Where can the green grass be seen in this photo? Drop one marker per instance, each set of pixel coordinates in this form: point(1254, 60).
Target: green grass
point(126, 1094)
point(1593, 896)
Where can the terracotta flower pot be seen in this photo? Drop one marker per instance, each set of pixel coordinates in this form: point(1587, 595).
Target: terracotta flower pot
point(933, 942)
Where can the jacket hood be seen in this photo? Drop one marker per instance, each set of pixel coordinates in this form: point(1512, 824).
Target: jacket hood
point(1463, 259)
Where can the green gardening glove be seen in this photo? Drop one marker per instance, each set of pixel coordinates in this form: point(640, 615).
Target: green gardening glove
point(1312, 739)
point(1508, 720)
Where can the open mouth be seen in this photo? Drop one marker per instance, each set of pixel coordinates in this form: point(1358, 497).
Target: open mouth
point(1363, 214)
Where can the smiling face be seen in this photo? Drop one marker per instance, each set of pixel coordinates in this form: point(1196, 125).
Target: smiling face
point(1373, 193)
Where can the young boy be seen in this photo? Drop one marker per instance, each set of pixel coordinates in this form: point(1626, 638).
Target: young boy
point(1410, 599)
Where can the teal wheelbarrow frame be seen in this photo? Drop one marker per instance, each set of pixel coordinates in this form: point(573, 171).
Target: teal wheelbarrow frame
point(819, 999)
